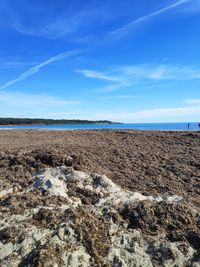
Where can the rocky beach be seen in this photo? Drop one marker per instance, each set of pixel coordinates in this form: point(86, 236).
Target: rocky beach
point(99, 198)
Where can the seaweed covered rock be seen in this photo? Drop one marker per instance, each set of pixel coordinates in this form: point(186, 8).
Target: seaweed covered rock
point(64, 217)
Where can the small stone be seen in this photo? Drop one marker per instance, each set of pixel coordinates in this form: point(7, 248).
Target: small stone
point(61, 233)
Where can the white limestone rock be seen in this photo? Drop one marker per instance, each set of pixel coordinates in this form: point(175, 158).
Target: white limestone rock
point(128, 247)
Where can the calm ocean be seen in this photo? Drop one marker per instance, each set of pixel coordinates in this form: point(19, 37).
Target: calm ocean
point(136, 126)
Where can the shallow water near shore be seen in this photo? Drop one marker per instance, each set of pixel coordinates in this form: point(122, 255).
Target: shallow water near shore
point(137, 126)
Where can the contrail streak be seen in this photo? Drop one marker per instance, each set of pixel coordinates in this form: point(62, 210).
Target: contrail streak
point(144, 18)
point(37, 68)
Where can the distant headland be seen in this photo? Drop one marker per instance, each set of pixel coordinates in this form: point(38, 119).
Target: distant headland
point(28, 121)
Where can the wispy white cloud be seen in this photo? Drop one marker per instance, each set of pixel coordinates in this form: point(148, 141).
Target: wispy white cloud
point(66, 25)
point(111, 88)
point(61, 115)
point(160, 72)
point(193, 101)
point(130, 25)
point(7, 64)
point(168, 114)
point(152, 114)
point(16, 99)
point(98, 75)
point(139, 75)
point(121, 97)
point(75, 24)
point(128, 96)
point(37, 68)
point(118, 82)
point(17, 104)
point(55, 30)
point(35, 114)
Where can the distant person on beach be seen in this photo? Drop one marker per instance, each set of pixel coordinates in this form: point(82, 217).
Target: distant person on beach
point(188, 126)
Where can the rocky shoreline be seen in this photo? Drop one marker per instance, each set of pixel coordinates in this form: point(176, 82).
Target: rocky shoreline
point(70, 218)
point(100, 198)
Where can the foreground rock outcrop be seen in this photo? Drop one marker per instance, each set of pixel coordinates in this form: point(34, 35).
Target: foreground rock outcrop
point(65, 217)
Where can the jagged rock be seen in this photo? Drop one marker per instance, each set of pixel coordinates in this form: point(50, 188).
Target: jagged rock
point(70, 218)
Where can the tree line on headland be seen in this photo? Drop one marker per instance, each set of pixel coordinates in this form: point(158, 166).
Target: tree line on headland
point(27, 121)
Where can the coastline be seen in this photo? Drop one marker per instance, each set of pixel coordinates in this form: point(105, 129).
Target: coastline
point(96, 130)
point(112, 126)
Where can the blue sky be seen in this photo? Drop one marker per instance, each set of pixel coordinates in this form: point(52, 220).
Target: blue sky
point(128, 61)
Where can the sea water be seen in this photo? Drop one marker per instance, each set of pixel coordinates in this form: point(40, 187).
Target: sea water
point(134, 126)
